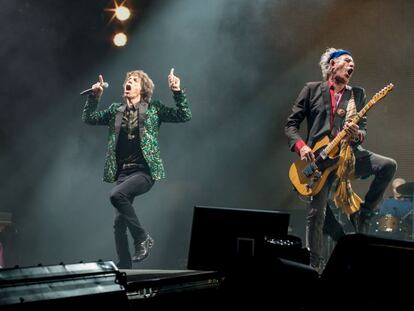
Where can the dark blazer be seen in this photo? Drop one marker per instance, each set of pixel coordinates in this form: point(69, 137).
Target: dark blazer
point(156, 114)
point(314, 104)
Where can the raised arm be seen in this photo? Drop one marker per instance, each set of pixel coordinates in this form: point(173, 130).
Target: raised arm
point(89, 115)
point(180, 113)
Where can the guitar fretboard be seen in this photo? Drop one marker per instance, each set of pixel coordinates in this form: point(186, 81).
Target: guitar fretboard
point(381, 94)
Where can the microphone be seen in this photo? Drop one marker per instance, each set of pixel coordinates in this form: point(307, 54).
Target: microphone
point(90, 91)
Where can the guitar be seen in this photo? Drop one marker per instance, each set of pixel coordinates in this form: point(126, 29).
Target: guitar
point(309, 178)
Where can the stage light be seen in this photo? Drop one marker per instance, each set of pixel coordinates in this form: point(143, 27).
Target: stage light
point(122, 13)
point(119, 11)
point(120, 39)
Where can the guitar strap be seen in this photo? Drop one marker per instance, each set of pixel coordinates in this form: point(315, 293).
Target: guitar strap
point(344, 197)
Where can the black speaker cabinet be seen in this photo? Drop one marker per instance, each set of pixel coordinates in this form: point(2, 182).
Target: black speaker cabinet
point(219, 236)
point(369, 272)
point(368, 258)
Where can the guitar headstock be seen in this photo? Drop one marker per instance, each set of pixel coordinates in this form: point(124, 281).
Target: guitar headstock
point(382, 93)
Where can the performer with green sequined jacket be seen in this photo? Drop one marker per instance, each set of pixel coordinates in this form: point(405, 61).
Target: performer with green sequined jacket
point(133, 156)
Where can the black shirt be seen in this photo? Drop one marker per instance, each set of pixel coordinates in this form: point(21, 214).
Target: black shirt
point(129, 143)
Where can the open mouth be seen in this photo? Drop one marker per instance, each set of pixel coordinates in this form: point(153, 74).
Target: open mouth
point(350, 71)
point(128, 87)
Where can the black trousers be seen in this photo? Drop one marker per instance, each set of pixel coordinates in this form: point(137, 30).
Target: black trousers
point(130, 183)
point(381, 167)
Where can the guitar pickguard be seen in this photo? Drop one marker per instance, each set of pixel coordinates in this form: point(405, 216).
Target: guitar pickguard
point(309, 178)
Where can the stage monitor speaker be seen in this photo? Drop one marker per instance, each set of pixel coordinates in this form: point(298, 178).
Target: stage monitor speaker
point(100, 284)
point(369, 270)
point(221, 236)
point(367, 257)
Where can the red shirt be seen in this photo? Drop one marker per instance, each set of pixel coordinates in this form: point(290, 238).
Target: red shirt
point(335, 99)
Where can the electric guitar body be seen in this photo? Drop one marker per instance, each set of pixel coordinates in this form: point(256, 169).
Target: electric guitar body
point(309, 178)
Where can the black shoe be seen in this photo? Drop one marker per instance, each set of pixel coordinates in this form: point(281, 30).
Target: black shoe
point(142, 249)
point(318, 266)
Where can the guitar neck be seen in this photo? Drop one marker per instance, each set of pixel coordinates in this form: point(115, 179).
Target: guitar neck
point(355, 120)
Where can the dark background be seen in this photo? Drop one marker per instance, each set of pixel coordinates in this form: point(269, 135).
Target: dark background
point(242, 63)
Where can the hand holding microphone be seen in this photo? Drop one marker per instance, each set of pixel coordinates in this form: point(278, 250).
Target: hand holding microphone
point(97, 88)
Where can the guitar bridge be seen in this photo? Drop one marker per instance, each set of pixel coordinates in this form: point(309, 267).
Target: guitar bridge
point(310, 169)
point(315, 178)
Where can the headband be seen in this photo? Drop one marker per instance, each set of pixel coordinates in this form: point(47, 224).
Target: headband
point(338, 53)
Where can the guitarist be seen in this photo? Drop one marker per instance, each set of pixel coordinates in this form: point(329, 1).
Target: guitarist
point(324, 104)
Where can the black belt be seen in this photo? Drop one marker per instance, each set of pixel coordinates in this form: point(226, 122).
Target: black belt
point(131, 165)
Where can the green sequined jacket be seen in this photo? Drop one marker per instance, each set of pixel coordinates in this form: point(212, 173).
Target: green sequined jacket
point(155, 115)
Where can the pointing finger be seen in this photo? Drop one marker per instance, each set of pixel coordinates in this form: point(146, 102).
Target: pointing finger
point(101, 81)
